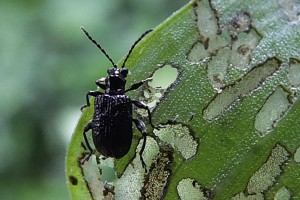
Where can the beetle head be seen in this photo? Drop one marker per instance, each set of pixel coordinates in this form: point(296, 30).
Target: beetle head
point(116, 80)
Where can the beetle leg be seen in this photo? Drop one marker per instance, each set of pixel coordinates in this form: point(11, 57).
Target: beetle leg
point(137, 85)
point(86, 129)
point(142, 128)
point(144, 106)
point(101, 83)
point(90, 93)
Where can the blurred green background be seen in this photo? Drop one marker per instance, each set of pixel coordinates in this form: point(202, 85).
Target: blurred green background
point(46, 67)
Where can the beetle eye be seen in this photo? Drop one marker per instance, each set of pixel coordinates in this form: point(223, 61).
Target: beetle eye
point(124, 72)
point(109, 71)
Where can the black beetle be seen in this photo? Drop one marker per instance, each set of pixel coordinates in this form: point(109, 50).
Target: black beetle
point(112, 121)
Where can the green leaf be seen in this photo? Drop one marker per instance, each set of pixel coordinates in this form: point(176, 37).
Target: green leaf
point(226, 80)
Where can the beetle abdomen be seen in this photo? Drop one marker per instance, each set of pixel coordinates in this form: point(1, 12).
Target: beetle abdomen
point(112, 125)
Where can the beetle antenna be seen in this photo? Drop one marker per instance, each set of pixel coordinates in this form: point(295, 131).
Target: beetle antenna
point(135, 43)
point(98, 45)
